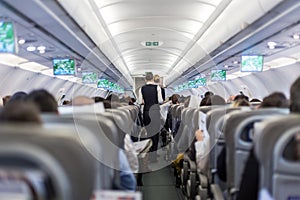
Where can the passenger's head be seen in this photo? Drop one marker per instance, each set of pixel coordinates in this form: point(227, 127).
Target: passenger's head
point(20, 112)
point(149, 76)
point(174, 98)
point(240, 97)
point(44, 101)
point(82, 100)
point(156, 78)
point(5, 99)
point(230, 99)
point(241, 102)
point(215, 100)
point(98, 99)
point(113, 98)
point(255, 100)
point(208, 93)
point(276, 99)
point(295, 97)
point(66, 102)
point(203, 101)
point(18, 96)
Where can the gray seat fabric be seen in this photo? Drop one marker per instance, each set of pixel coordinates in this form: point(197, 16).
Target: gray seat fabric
point(278, 174)
point(237, 149)
point(54, 151)
point(185, 128)
point(105, 134)
point(214, 121)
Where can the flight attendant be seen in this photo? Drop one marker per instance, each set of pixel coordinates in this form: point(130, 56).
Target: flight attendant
point(151, 97)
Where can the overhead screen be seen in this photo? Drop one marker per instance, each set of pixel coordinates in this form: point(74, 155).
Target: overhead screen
point(64, 66)
point(7, 37)
point(103, 83)
point(89, 77)
point(192, 84)
point(252, 63)
point(200, 82)
point(218, 75)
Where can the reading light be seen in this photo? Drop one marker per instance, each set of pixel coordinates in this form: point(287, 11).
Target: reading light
point(272, 45)
point(41, 48)
point(226, 66)
point(22, 41)
point(31, 48)
point(235, 62)
point(296, 36)
point(42, 51)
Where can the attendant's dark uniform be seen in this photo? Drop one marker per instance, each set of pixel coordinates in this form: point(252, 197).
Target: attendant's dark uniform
point(151, 113)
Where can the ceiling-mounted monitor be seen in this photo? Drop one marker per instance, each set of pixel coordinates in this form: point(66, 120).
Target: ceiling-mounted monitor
point(200, 82)
point(180, 88)
point(185, 86)
point(7, 38)
point(89, 77)
point(192, 84)
point(218, 75)
point(103, 83)
point(252, 63)
point(64, 66)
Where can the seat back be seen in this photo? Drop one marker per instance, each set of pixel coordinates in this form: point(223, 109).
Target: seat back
point(183, 133)
point(275, 147)
point(106, 136)
point(238, 145)
point(214, 121)
point(54, 151)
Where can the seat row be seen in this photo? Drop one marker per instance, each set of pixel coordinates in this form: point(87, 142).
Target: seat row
point(71, 156)
point(234, 130)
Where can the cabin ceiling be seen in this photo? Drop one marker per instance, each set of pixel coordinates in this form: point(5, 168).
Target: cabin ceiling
point(165, 37)
point(185, 38)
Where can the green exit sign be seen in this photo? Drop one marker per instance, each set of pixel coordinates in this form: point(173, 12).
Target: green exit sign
point(149, 44)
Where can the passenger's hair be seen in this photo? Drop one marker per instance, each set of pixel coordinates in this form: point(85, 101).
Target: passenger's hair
point(208, 93)
point(215, 100)
point(203, 101)
point(82, 100)
point(20, 111)
point(5, 99)
point(255, 100)
point(295, 96)
point(174, 98)
point(149, 76)
point(66, 102)
point(133, 100)
point(113, 98)
point(241, 96)
point(156, 78)
point(17, 96)
point(44, 101)
point(98, 99)
point(241, 102)
point(276, 99)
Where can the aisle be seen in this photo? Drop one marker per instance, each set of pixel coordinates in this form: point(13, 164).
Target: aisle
point(160, 185)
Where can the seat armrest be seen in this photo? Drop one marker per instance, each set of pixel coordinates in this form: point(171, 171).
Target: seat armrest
point(192, 164)
point(203, 180)
point(216, 192)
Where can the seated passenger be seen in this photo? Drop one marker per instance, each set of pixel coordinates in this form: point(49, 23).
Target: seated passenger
point(17, 96)
point(128, 159)
point(20, 112)
point(44, 101)
point(250, 178)
point(200, 147)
